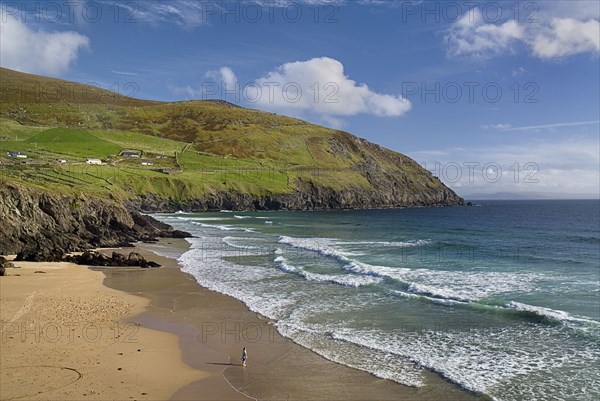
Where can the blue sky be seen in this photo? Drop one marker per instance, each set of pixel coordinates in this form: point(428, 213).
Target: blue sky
point(491, 96)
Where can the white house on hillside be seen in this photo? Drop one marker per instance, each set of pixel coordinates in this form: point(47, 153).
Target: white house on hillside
point(94, 161)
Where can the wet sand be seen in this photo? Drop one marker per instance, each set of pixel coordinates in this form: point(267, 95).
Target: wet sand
point(213, 328)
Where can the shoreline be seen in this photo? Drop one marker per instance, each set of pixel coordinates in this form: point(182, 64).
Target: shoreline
point(195, 336)
point(277, 368)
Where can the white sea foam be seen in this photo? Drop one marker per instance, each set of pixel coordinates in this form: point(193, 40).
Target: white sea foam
point(283, 264)
point(432, 295)
point(440, 293)
point(441, 301)
point(465, 286)
point(381, 364)
point(395, 244)
point(456, 285)
point(471, 359)
point(232, 241)
point(207, 218)
point(223, 227)
point(323, 246)
point(557, 315)
point(348, 280)
point(205, 262)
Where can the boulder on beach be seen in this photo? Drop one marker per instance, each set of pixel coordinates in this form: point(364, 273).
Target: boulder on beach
point(94, 258)
point(4, 264)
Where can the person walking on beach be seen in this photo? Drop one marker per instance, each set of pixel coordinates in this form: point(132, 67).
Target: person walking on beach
point(244, 356)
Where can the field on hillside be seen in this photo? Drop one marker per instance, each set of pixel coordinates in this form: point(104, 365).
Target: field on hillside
point(58, 157)
point(171, 169)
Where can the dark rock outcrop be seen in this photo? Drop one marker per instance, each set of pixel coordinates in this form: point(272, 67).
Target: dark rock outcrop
point(93, 258)
point(4, 264)
point(39, 225)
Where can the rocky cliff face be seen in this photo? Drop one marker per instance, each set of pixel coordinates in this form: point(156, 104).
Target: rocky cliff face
point(40, 225)
point(307, 196)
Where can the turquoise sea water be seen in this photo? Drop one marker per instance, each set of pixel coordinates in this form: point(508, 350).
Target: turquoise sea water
point(502, 298)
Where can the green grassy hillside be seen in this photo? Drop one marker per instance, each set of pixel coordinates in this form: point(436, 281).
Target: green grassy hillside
point(70, 142)
point(189, 150)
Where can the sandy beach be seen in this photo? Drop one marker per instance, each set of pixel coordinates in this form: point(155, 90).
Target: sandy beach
point(155, 334)
point(66, 336)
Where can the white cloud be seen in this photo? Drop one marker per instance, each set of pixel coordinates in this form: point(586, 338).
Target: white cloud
point(555, 33)
point(287, 3)
point(224, 76)
point(321, 86)
point(581, 9)
point(185, 13)
point(472, 35)
point(124, 73)
point(39, 52)
point(508, 127)
point(333, 122)
point(193, 13)
point(497, 126)
point(561, 166)
point(519, 71)
point(185, 91)
point(391, 3)
point(566, 37)
point(225, 85)
point(228, 77)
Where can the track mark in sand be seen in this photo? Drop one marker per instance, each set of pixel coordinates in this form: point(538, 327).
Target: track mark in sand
point(23, 310)
point(235, 389)
point(232, 386)
point(62, 377)
point(28, 304)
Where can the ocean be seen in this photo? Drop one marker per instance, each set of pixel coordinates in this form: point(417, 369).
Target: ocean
point(501, 298)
